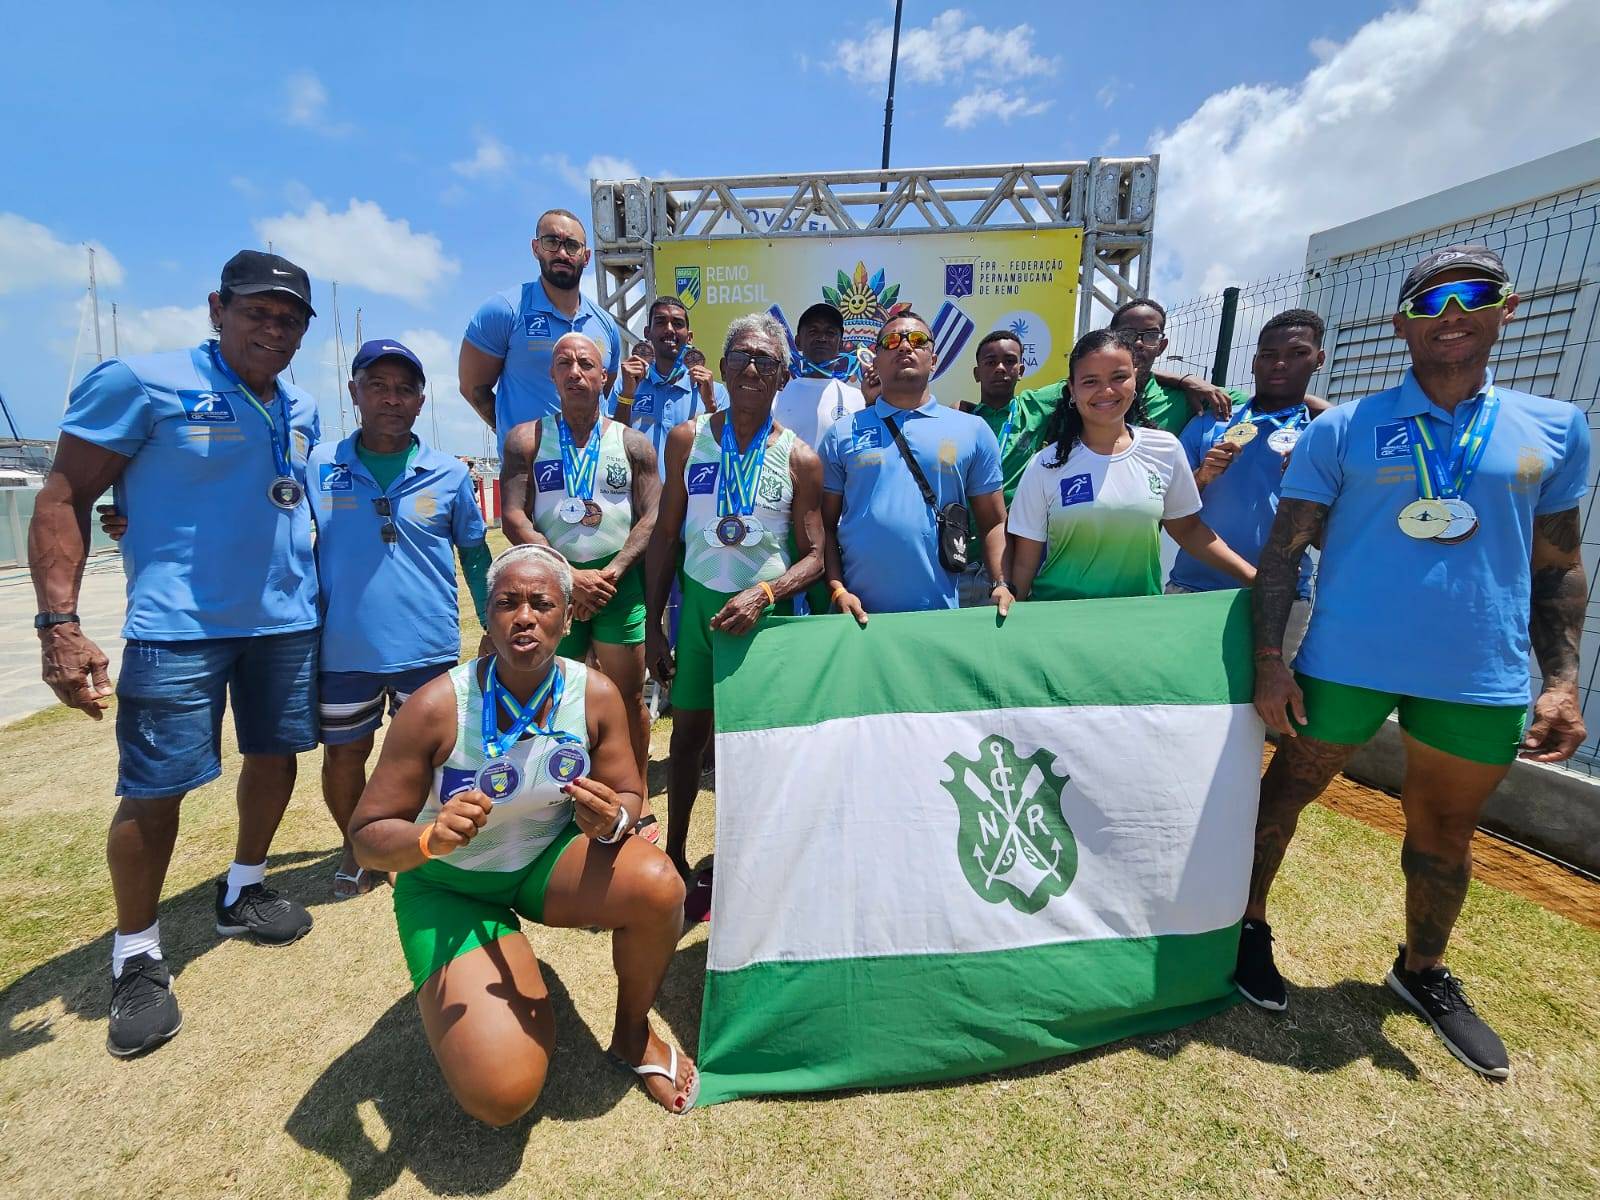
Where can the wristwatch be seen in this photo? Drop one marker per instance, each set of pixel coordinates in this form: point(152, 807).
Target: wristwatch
point(45, 620)
point(1002, 583)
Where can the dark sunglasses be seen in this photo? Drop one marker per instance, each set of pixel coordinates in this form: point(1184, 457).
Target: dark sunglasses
point(915, 338)
point(387, 531)
point(1470, 295)
point(766, 366)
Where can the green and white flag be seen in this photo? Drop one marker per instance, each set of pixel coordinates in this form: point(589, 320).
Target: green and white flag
point(947, 846)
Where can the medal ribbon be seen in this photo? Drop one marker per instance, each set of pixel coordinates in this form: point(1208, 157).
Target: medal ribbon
point(578, 466)
point(1438, 479)
point(804, 368)
point(1299, 414)
point(736, 482)
point(1005, 430)
point(522, 717)
point(278, 433)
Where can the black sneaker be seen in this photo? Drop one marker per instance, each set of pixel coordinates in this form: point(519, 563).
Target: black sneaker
point(263, 914)
point(144, 1012)
point(1254, 974)
point(1435, 995)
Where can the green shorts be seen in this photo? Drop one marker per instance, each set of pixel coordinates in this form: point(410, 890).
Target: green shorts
point(619, 623)
point(691, 682)
point(1348, 715)
point(443, 912)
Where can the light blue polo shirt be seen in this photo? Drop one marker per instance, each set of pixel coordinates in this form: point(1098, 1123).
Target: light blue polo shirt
point(659, 404)
point(887, 534)
point(1239, 506)
point(390, 607)
point(207, 554)
point(1415, 617)
point(521, 326)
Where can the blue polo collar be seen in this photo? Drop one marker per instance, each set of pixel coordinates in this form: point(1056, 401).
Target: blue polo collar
point(1413, 401)
point(884, 410)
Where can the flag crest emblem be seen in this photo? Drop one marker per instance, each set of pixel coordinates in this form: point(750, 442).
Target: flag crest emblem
point(1014, 845)
point(686, 282)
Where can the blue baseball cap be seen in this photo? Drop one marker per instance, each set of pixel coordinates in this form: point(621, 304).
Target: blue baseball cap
point(371, 352)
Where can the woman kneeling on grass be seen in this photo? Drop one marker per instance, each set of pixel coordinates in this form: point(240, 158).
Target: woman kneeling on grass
point(507, 787)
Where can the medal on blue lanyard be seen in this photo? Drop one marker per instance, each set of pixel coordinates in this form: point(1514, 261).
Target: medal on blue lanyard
point(285, 490)
point(842, 367)
point(1005, 430)
point(1441, 514)
point(499, 778)
point(1246, 427)
point(736, 488)
point(578, 469)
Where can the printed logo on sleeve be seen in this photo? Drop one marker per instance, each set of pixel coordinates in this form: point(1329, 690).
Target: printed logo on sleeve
point(453, 781)
point(1392, 439)
point(334, 477)
point(547, 475)
point(870, 438)
point(644, 404)
point(538, 325)
point(1077, 489)
point(206, 407)
point(702, 478)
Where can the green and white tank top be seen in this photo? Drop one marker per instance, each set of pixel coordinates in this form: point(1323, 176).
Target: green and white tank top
point(733, 568)
point(535, 809)
point(613, 495)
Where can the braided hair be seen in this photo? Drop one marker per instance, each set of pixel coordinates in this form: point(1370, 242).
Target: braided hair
point(1065, 426)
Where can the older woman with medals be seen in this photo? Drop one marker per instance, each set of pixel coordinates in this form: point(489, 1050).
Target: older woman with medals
point(738, 483)
point(508, 788)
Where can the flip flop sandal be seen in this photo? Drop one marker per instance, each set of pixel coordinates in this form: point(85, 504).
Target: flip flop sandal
point(357, 879)
point(669, 1073)
point(649, 829)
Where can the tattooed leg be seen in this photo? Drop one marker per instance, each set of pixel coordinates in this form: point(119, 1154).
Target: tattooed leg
point(1300, 771)
point(1442, 796)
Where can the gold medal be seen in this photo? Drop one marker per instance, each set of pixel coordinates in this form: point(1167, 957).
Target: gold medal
point(1242, 434)
point(1424, 519)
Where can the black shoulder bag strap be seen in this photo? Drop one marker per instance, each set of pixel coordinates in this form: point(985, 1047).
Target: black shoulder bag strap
point(951, 519)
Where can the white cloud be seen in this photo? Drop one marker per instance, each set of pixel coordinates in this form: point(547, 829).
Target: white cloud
point(170, 327)
point(1415, 101)
point(33, 257)
point(990, 104)
point(305, 100)
point(943, 50)
point(492, 157)
point(601, 166)
point(361, 246)
point(1108, 93)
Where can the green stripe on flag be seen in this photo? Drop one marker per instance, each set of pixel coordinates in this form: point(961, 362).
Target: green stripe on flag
point(813, 1026)
point(1193, 649)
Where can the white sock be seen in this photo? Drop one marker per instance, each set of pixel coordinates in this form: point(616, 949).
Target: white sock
point(125, 945)
point(241, 877)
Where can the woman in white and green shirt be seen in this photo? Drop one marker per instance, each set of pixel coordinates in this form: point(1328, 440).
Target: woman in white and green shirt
point(1087, 517)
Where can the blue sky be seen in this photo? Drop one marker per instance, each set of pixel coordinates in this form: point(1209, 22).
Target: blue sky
point(409, 155)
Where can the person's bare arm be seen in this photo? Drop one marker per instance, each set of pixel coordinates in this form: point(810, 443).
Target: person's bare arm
point(1555, 625)
point(833, 559)
point(612, 784)
point(990, 509)
point(1199, 392)
point(646, 501)
point(516, 485)
point(740, 614)
point(76, 669)
point(1199, 539)
point(1298, 526)
point(1026, 555)
point(478, 372)
point(661, 556)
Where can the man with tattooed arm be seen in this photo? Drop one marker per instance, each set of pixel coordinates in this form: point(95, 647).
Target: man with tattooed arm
point(1446, 509)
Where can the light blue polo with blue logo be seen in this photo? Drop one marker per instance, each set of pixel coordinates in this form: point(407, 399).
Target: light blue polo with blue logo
point(888, 538)
point(661, 404)
point(1417, 617)
point(521, 326)
point(390, 607)
point(207, 553)
point(1241, 503)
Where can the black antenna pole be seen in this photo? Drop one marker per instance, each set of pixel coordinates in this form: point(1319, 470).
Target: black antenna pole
point(4, 408)
point(888, 104)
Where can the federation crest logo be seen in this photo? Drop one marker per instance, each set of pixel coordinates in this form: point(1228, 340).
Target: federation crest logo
point(547, 475)
point(769, 489)
point(425, 506)
point(1392, 439)
point(616, 477)
point(1157, 486)
point(1014, 845)
point(957, 280)
point(686, 282)
point(702, 478)
point(206, 407)
point(334, 477)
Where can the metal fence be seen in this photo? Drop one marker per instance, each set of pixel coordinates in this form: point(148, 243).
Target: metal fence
point(1552, 348)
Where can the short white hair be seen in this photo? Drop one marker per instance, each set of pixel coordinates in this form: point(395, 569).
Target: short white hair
point(599, 354)
point(764, 326)
point(546, 555)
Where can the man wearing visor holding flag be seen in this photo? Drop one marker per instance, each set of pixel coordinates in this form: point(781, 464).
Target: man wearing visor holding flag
point(1447, 513)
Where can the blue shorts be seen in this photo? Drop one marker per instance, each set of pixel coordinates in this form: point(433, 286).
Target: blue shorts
point(351, 703)
point(170, 697)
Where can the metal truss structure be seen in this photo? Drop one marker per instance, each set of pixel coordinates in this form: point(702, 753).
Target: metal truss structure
point(1113, 200)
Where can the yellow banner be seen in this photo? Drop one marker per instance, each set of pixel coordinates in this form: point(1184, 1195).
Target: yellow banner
point(964, 284)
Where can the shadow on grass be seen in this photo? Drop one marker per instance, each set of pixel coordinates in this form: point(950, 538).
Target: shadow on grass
point(382, 1107)
point(81, 978)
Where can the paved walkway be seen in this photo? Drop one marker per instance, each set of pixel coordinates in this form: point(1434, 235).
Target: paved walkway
point(100, 604)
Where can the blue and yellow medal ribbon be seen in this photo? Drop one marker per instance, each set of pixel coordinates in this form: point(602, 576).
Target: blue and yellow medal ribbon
point(736, 483)
point(1274, 422)
point(523, 717)
point(578, 467)
point(1441, 480)
point(279, 433)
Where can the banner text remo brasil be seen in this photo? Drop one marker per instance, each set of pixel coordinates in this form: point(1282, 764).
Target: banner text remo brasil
point(1442, 515)
point(284, 490)
point(498, 778)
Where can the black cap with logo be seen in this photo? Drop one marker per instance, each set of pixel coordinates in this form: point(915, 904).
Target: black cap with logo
point(1453, 258)
point(250, 272)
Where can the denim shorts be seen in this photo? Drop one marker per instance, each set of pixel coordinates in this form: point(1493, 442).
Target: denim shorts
point(352, 702)
point(170, 697)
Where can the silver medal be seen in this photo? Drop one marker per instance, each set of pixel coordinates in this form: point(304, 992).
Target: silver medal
point(1283, 440)
point(571, 510)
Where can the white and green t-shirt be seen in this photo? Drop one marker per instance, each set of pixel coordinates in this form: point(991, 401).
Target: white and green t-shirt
point(581, 541)
point(734, 568)
point(1100, 516)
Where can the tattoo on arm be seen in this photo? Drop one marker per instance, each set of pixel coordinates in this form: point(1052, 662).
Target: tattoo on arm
point(1299, 525)
point(1559, 596)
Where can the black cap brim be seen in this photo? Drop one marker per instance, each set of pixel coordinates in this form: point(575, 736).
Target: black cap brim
point(256, 289)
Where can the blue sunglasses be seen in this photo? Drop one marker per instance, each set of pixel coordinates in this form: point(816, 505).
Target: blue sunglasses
point(1469, 294)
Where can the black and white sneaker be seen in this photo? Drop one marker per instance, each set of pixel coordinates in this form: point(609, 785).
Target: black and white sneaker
point(1255, 974)
point(144, 1012)
point(261, 913)
point(1435, 995)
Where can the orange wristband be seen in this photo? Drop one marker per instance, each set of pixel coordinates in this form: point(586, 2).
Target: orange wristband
point(767, 588)
point(422, 842)
point(838, 590)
